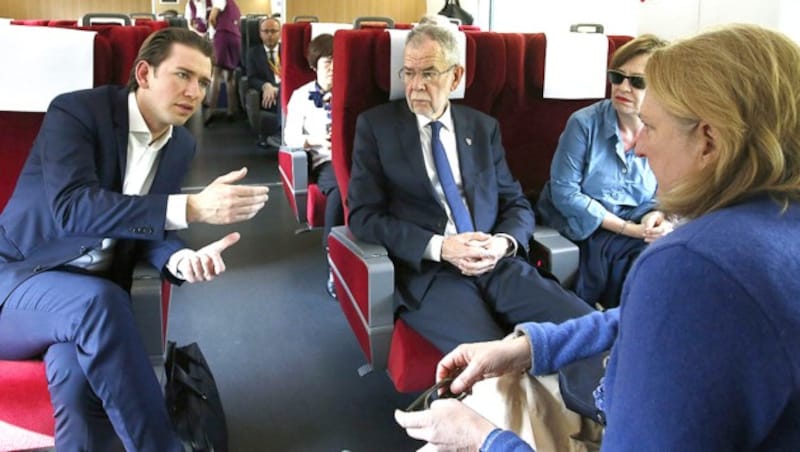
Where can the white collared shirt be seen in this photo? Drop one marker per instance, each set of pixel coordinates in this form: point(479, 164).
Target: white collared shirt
point(140, 169)
point(447, 135)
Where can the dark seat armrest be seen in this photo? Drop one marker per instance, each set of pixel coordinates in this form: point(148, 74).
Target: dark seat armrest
point(146, 302)
point(556, 254)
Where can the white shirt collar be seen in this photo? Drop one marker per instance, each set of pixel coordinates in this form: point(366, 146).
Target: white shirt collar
point(446, 119)
point(138, 127)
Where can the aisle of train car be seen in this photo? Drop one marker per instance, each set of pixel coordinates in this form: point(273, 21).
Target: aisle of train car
point(283, 356)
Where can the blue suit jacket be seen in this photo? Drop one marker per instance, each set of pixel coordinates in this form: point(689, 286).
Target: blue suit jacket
point(68, 197)
point(392, 202)
point(258, 71)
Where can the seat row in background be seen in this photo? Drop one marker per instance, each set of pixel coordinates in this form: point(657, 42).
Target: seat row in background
point(505, 79)
point(26, 415)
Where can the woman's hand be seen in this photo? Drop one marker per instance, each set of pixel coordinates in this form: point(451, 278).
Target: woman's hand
point(448, 426)
point(655, 225)
point(471, 363)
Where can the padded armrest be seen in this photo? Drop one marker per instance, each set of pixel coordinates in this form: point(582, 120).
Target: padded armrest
point(293, 166)
point(365, 287)
point(146, 302)
point(556, 254)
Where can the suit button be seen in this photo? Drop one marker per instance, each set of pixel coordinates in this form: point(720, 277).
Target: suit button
point(37, 269)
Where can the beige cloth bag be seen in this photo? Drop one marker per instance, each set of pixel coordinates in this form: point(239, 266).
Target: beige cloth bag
point(532, 408)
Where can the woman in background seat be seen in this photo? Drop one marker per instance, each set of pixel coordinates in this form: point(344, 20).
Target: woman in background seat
point(308, 126)
point(601, 193)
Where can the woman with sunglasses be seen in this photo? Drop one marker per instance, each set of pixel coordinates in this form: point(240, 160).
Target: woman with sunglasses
point(601, 194)
point(705, 357)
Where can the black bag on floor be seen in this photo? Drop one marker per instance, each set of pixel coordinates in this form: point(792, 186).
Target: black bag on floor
point(193, 401)
point(453, 9)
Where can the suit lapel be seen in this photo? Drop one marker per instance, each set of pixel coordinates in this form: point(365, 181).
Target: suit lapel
point(466, 156)
point(121, 127)
point(410, 145)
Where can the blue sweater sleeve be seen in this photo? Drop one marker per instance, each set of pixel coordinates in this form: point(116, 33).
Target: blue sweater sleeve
point(697, 366)
point(554, 346)
point(504, 441)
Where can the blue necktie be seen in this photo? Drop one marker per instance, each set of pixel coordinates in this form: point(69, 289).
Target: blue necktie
point(457, 208)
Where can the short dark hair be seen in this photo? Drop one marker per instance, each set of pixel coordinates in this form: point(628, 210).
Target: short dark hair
point(319, 47)
point(157, 47)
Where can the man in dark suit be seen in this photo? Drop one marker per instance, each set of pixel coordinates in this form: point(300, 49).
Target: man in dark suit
point(430, 183)
point(264, 73)
point(100, 190)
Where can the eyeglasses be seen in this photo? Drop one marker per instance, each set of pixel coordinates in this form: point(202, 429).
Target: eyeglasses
point(616, 77)
point(269, 32)
point(428, 75)
point(423, 402)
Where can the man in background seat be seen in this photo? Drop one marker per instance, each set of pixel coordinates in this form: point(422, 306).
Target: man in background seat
point(264, 74)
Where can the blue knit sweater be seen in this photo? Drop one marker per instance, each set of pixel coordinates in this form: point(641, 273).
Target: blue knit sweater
point(706, 356)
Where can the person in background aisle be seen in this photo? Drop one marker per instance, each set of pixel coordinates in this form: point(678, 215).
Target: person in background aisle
point(224, 21)
point(100, 191)
point(264, 73)
point(308, 125)
point(722, 135)
point(196, 13)
point(601, 192)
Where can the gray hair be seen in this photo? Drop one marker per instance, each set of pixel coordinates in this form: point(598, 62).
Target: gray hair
point(430, 30)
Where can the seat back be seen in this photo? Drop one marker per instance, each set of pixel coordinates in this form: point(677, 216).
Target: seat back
point(531, 124)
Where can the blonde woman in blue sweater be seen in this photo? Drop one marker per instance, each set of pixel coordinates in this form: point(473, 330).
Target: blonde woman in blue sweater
point(704, 351)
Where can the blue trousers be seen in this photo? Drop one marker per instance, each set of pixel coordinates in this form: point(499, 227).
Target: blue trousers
point(101, 383)
point(459, 309)
point(605, 261)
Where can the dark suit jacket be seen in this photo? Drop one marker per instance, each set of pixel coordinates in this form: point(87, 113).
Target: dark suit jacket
point(68, 197)
point(393, 203)
point(258, 71)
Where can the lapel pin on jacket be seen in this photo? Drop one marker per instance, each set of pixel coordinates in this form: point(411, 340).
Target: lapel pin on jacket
point(469, 141)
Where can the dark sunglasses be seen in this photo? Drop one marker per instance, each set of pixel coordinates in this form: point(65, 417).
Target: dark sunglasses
point(616, 77)
point(423, 402)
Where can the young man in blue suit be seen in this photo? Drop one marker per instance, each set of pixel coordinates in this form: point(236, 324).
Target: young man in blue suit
point(101, 189)
point(431, 184)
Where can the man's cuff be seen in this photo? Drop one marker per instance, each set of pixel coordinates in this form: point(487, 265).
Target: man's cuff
point(175, 259)
point(433, 252)
point(512, 250)
point(176, 212)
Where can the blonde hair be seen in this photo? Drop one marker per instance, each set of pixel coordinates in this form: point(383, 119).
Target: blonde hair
point(744, 81)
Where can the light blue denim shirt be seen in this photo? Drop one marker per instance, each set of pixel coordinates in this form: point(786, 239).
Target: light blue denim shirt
point(592, 175)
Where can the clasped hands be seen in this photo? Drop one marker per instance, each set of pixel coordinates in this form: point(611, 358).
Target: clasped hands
point(474, 253)
point(450, 425)
point(655, 225)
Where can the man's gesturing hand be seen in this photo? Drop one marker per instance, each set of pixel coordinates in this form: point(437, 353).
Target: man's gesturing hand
point(206, 263)
point(223, 202)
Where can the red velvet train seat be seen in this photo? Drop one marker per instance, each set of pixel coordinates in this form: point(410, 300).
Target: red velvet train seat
point(531, 125)
point(26, 416)
point(363, 272)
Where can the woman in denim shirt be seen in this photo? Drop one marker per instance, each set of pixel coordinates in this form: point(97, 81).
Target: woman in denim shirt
point(601, 194)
